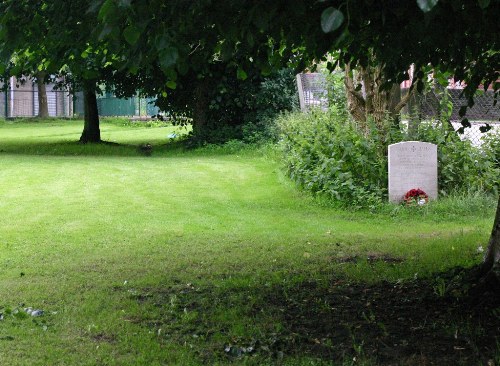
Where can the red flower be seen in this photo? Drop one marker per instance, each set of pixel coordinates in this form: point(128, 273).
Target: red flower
point(415, 195)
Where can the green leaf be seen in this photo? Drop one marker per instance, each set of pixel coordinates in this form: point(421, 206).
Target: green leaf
point(162, 41)
point(105, 9)
point(426, 5)
point(331, 19)
point(183, 68)
point(462, 111)
point(250, 39)
point(483, 4)
point(171, 84)
point(485, 128)
point(106, 30)
point(168, 57)
point(132, 34)
point(241, 74)
point(124, 3)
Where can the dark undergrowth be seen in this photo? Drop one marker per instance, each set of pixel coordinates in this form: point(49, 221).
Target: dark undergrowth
point(430, 321)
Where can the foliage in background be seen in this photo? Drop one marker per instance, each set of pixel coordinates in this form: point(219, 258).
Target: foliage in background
point(336, 88)
point(235, 109)
point(491, 148)
point(462, 167)
point(277, 94)
point(325, 153)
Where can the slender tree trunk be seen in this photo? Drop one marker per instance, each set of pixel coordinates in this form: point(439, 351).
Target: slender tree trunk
point(201, 105)
point(489, 274)
point(356, 103)
point(492, 256)
point(91, 132)
point(43, 105)
point(375, 103)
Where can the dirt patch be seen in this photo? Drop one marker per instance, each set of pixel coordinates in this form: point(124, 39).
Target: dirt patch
point(370, 258)
point(376, 257)
point(419, 322)
point(103, 337)
point(422, 322)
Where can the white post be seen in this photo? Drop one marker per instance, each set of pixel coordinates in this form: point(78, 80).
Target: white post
point(11, 109)
point(301, 93)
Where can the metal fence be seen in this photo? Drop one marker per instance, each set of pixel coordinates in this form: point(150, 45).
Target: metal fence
point(109, 105)
point(446, 103)
point(433, 105)
point(313, 91)
point(24, 103)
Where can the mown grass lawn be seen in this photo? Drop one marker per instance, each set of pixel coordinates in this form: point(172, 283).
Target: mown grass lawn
point(172, 258)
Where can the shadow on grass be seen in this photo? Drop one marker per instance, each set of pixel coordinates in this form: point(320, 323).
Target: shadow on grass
point(174, 147)
point(75, 148)
point(418, 322)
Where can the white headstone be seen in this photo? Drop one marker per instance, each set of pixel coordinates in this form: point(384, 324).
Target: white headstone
point(412, 164)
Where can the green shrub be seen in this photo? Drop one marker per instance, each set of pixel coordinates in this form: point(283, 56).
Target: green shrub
point(336, 89)
point(491, 147)
point(462, 167)
point(326, 154)
point(234, 108)
point(276, 94)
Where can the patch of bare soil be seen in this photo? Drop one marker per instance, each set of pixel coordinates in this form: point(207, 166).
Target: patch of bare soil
point(431, 321)
point(421, 322)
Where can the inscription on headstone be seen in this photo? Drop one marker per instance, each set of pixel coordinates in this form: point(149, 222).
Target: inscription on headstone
point(412, 164)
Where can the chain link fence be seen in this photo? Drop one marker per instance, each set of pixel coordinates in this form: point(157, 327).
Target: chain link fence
point(19, 98)
point(24, 103)
point(433, 105)
point(446, 103)
point(313, 91)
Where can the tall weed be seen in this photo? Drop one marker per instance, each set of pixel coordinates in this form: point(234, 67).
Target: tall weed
point(463, 167)
point(326, 154)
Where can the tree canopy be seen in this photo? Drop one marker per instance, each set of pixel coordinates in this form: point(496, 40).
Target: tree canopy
point(460, 36)
point(149, 45)
point(457, 35)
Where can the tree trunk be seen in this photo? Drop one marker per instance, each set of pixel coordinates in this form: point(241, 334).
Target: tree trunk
point(355, 100)
point(492, 256)
point(380, 111)
point(43, 105)
point(201, 105)
point(489, 275)
point(91, 132)
point(375, 103)
point(395, 99)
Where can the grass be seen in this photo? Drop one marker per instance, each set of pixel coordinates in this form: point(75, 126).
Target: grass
point(168, 259)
